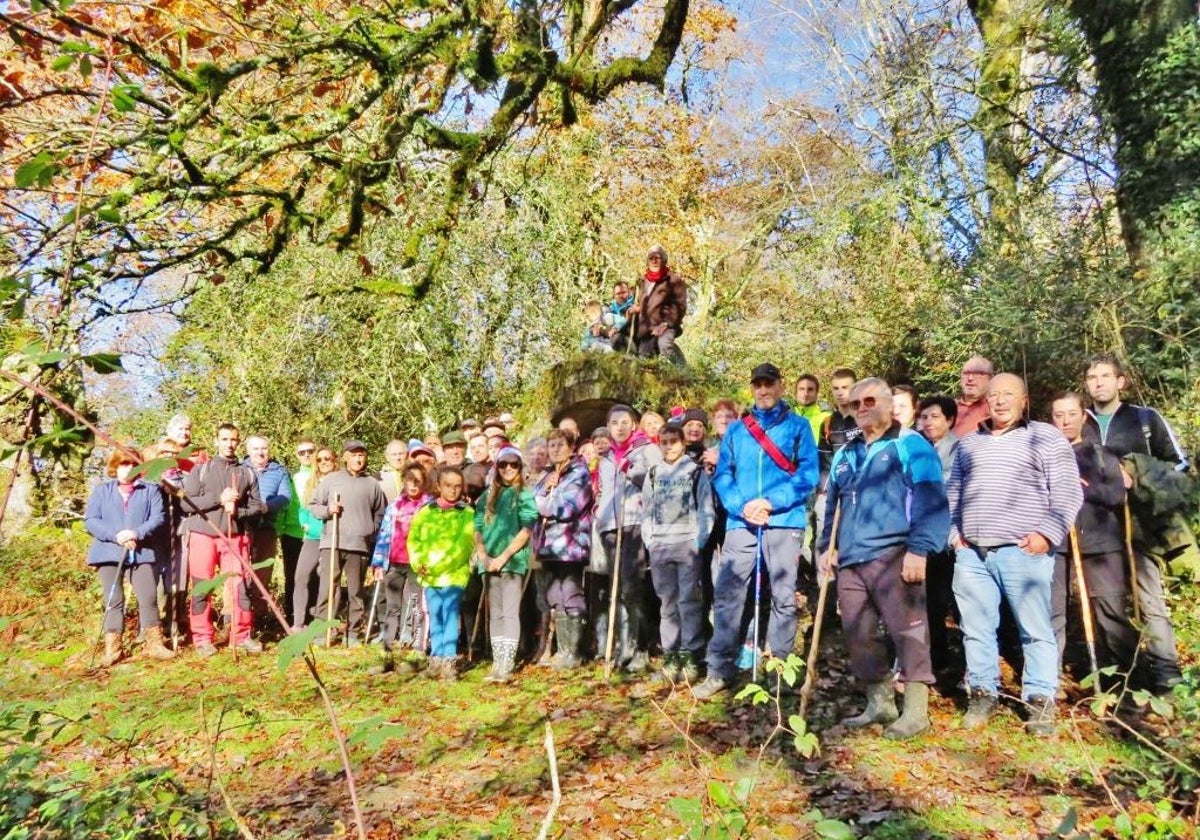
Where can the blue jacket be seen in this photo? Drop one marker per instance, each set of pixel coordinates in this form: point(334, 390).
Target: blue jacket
point(746, 472)
point(891, 494)
point(275, 488)
point(107, 515)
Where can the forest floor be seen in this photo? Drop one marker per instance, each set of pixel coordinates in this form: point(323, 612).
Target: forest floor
point(225, 747)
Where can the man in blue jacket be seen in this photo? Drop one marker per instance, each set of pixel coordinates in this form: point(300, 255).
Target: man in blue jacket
point(275, 488)
point(888, 483)
point(766, 469)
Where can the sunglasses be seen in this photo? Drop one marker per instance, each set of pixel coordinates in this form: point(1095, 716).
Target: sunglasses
point(865, 402)
point(509, 465)
point(305, 451)
point(326, 458)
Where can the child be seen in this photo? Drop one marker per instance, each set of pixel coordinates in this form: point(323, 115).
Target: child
point(504, 520)
point(677, 522)
point(602, 325)
point(404, 613)
point(441, 540)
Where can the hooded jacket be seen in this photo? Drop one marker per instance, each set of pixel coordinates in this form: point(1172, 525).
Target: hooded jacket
point(746, 472)
point(623, 470)
point(275, 488)
point(678, 505)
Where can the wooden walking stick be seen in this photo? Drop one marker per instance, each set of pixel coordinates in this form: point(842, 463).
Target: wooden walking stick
point(810, 665)
point(333, 564)
point(616, 578)
point(1089, 628)
point(230, 512)
point(480, 616)
point(1133, 584)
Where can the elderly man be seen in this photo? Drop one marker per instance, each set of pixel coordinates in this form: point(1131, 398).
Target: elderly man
point(1014, 493)
point(275, 488)
point(888, 484)
point(391, 474)
point(766, 470)
point(972, 406)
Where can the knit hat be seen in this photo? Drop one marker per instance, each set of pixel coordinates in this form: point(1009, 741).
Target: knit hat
point(509, 453)
point(695, 414)
point(660, 251)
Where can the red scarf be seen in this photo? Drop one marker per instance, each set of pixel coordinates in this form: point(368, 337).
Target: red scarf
point(655, 276)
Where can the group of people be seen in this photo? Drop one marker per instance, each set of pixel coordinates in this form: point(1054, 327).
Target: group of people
point(709, 526)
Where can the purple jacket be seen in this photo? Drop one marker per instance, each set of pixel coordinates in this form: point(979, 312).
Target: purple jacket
point(108, 514)
point(564, 529)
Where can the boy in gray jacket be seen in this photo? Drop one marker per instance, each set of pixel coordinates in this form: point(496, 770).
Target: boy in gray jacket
point(676, 522)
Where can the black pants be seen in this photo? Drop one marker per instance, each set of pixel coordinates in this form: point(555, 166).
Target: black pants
point(289, 547)
point(1107, 579)
point(354, 565)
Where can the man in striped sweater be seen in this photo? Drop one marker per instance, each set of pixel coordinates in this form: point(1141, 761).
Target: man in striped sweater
point(1014, 493)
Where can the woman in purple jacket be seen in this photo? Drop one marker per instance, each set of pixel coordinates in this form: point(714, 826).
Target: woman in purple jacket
point(123, 516)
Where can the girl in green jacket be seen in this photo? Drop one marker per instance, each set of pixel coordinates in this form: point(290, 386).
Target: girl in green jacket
point(440, 544)
point(504, 520)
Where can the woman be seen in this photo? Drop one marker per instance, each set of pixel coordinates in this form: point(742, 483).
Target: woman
point(124, 516)
point(563, 540)
point(652, 423)
point(405, 600)
point(310, 548)
point(504, 520)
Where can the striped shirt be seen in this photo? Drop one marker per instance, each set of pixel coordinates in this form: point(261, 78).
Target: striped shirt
point(1004, 487)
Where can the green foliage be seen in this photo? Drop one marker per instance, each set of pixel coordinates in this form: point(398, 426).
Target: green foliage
point(78, 802)
point(787, 672)
point(723, 814)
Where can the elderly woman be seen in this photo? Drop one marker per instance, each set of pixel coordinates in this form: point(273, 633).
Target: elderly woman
point(124, 515)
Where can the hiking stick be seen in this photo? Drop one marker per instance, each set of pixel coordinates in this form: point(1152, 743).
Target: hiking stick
point(371, 614)
point(479, 612)
point(616, 578)
point(810, 666)
point(174, 594)
point(233, 606)
point(1133, 584)
point(127, 554)
point(333, 564)
point(757, 600)
point(1089, 629)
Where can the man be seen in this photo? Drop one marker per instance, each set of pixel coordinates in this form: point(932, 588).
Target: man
point(888, 484)
point(808, 389)
point(766, 471)
point(291, 532)
point(476, 473)
point(1126, 429)
point(537, 457)
point(837, 429)
point(454, 449)
point(972, 406)
point(469, 428)
point(619, 509)
point(357, 499)
point(1014, 493)
point(1100, 530)
point(660, 308)
point(391, 475)
point(275, 488)
point(222, 501)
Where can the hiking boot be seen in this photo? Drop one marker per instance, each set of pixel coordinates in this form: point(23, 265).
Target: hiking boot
point(711, 687)
point(915, 719)
point(387, 666)
point(155, 648)
point(1041, 716)
point(449, 669)
point(205, 650)
point(881, 707)
point(668, 674)
point(639, 663)
point(687, 671)
point(113, 652)
point(980, 709)
point(249, 645)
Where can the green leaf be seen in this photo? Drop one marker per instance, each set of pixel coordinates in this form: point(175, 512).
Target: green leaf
point(1069, 821)
point(123, 97)
point(373, 732)
point(85, 68)
point(52, 357)
point(720, 795)
point(295, 644)
point(40, 170)
point(103, 362)
point(109, 214)
point(834, 830)
point(203, 588)
point(797, 724)
point(63, 62)
point(743, 788)
point(690, 811)
point(77, 47)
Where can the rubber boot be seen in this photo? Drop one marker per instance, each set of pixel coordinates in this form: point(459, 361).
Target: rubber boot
point(915, 719)
point(155, 648)
point(569, 630)
point(881, 707)
point(112, 650)
point(504, 657)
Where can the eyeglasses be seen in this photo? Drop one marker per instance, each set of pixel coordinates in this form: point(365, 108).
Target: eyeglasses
point(303, 452)
point(865, 402)
point(976, 373)
point(509, 465)
point(326, 458)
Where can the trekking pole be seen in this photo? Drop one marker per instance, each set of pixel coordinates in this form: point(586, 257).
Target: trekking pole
point(1089, 629)
point(371, 614)
point(230, 546)
point(810, 666)
point(479, 615)
point(757, 601)
point(1133, 585)
point(616, 578)
point(333, 564)
point(127, 554)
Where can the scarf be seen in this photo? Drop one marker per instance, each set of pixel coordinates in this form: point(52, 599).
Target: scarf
point(621, 451)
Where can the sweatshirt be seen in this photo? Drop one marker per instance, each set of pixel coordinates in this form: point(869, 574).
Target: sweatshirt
point(363, 505)
point(441, 541)
point(514, 510)
point(202, 495)
point(678, 505)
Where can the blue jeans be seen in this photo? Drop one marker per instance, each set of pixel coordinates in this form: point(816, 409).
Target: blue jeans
point(443, 603)
point(981, 576)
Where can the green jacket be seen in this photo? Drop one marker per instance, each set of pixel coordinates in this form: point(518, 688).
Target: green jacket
point(815, 415)
point(290, 523)
point(1158, 499)
point(440, 544)
point(513, 512)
